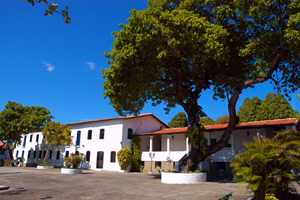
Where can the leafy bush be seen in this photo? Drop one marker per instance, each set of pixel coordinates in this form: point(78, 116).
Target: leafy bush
point(267, 164)
point(74, 161)
point(44, 163)
point(136, 153)
point(124, 157)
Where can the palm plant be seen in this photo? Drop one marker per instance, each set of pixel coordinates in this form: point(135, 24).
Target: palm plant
point(267, 164)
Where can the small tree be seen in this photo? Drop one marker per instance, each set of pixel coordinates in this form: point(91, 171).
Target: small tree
point(266, 165)
point(223, 119)
point(136, 153)
point(207, 121)
point(124, 157)
point(56, 134)
point(178, 121)
point(248, 111)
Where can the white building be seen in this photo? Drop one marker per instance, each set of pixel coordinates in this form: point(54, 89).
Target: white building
point(100, 140)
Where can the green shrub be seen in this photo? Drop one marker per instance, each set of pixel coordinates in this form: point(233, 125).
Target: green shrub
point(124, 157)
point(44, 163)
point(136, 153)
point(74, 161)
point(266, 165)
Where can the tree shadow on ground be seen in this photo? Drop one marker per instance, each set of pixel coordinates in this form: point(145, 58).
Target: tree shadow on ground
point(155, 176)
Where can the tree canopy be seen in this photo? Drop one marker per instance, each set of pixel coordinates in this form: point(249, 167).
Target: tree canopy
point(174, 50)
point(52, 8)
point(207, 121)
point(223, 119)
point(178, 121)
point(56, 134)
point(16, 120)
point(274, 106)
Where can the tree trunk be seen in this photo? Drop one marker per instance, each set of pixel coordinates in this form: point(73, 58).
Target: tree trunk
point(10, 153)
point(50, 147)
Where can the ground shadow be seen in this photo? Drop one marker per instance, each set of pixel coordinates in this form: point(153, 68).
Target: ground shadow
point(155, 176)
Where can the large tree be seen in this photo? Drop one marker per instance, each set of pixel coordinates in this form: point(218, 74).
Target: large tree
point(178, 121)
point(56, 134)
point(16, 120)
point(248, 111)
point(174, 50)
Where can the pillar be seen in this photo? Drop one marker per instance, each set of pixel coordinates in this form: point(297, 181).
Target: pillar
point(168, 145)
point(150, 147)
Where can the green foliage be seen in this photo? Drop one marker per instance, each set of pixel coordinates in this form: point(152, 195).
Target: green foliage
point(52, 8)
point(74, 161)
point(16, 120)
point(226, 197)
point(196, 137)
point(207, 121)
point(266, 165)
point(274, 106)
point(223, 119)
point(270, 197)
point(56, 134)
point(124, 157)
point(178, 121)
point(44, 163)
point(136, 153)
point(248, 111)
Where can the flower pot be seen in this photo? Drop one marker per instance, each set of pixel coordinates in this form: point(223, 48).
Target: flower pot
point(183, 178)
point(71, 171)
point(44, 167)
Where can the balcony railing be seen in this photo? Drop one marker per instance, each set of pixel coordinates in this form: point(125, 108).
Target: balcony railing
point(160, 156)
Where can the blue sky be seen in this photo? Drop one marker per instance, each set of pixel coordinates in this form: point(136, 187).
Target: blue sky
point(45, 62)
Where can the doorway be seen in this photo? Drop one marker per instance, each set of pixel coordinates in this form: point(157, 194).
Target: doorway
point(100, 156)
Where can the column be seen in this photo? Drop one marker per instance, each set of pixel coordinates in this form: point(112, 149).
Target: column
point(208, 138)
point(187, 145)
point(232, 142)
point(168, 145)
point(150, 148)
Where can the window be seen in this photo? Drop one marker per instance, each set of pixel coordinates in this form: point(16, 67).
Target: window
point(87, 156)
point(113, 156)
point(17, 153)
point(22, 154)
point(102, 133)
point(50, 155)
point(29, 154)
point(40, 154)
point(34, 154)
point(67, 154)
point(37, 138)
point(158, 164)
point(129, 136)
point(89, 134)
point(30, 140)
point(44, 154)
point(78, 138)
point(77, 153)
point(24, 142)
point(57, 155)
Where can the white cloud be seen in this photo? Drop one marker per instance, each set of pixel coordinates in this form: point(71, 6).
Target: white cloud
point(91, 65)
point(50, 67)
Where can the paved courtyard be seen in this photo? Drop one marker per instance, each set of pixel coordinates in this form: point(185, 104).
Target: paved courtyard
point(31, 183)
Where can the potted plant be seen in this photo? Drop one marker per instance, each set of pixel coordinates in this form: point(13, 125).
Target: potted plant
point(72, 163)
point(141, 167)
point(20, 161)
point(44, 165)
point(158, 168)
point(124, 158)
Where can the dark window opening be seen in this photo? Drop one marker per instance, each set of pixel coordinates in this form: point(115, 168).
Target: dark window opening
point(228, 145)
point(102, 133)
point(77, 153)
point(78, 138)
point(89, 134)
point(44, 154)
point(40, 154)
point(158, 164)
point(28, 154)
point(30, 140)
point(129, 136)
point(37, 138)
point(113, 156)
point(87, 156)
point(50, 155)
point(24, 142)
point(67, 154)
point(22, 154)
point(57, 155)
point(34, 154)
point(17, 153)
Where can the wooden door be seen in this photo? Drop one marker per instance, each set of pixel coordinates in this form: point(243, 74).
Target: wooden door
point(100, 157)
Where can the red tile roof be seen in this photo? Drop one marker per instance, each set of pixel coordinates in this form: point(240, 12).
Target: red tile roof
point(243, 125)
point(116, 118)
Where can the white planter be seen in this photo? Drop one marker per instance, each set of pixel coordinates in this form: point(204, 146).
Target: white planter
point(71, 171)
point(44, 167)
point(183, 178)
